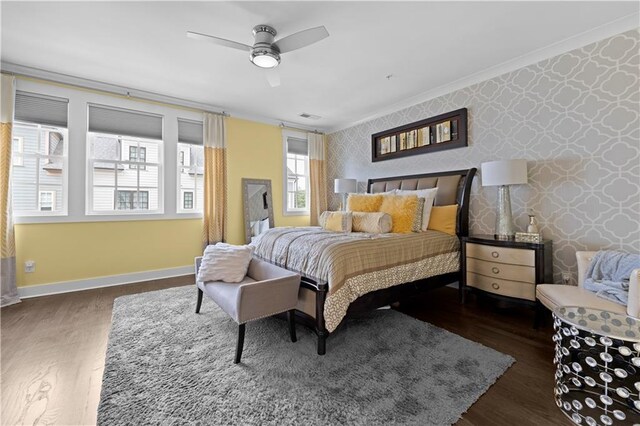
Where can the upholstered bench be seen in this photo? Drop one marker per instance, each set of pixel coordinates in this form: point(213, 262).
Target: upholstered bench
point(266, 290)
point(555, 295)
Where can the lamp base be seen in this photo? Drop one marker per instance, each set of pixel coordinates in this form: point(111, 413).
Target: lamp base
point(504, 220)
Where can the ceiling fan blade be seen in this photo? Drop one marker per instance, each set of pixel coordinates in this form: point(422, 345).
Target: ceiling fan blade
point(301, 39)
point(219, 41)
point(273, 77)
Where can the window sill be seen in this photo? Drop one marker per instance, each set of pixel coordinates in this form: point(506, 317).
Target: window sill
point(296, 213)
point(104, 218)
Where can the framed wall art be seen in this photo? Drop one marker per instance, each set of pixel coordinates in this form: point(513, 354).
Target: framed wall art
point(445, 131)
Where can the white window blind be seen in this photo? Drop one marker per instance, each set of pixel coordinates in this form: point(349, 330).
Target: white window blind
point(297, 146)
point(124, 122)
point(190, 131)
point(41, 109)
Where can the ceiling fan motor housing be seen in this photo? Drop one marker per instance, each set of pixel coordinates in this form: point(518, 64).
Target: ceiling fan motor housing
point(264, 53)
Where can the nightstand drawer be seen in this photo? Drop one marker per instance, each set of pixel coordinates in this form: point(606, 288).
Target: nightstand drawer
point(502, 270)
point(508, 288)
point(502, 254)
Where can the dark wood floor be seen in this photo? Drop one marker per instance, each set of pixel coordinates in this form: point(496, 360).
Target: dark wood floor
point(524, 394)
point(53, 355)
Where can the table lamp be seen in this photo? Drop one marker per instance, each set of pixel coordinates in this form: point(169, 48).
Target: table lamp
point(503, 173)
point(344, 187)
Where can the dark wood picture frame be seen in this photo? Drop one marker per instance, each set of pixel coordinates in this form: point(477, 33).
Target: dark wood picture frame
point(444, 131)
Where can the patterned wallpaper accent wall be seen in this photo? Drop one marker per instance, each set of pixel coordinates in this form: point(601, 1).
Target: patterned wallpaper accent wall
point(575, 118)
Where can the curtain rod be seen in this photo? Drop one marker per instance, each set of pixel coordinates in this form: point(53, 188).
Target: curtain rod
point(23, 71)
point(284, 126)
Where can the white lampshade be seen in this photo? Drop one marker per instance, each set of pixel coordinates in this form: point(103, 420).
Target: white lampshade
point(504, 172)
point(345, 186)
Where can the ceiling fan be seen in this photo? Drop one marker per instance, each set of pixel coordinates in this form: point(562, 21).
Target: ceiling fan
point(265, 52)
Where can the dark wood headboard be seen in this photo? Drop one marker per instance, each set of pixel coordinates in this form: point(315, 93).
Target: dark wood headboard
point(454, 187)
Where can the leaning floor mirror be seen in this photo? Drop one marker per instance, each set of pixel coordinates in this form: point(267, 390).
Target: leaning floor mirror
point(258, 207)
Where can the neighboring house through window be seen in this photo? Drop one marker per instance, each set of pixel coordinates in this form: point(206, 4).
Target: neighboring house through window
point(190, 167)
point(46, 201)
point(187, 200)
point(296, 166)
point(17, 149)
point(125, 161)
point(137, 154)
point(132, 200)
point(39, 155)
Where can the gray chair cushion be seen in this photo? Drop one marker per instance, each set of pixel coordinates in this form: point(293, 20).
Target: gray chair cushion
point(225, 294)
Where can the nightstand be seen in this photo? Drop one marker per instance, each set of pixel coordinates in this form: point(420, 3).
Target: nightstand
point(505, 269)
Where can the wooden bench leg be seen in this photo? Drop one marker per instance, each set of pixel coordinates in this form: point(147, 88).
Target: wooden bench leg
point(291, 316)
point(240, 344)
point(199, 302)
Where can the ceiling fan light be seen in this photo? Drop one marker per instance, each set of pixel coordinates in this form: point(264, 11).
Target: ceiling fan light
point(265, 59)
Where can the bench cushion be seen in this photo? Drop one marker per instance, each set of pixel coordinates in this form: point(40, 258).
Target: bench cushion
point(224, 294)
point(554, 295)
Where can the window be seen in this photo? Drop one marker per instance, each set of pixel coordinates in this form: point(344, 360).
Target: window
point(17, 149)
point(187, 200)
point(190, 166)
point(46, 201)
point(124, 161)
point(39, 155)
point(296, 173)
point(132, 200)
point(137, 154)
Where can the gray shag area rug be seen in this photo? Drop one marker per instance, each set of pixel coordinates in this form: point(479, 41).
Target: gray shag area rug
point(167, 365)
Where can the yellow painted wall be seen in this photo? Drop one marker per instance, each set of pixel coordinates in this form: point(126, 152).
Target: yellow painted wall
point(82, 250)
point(254, 150)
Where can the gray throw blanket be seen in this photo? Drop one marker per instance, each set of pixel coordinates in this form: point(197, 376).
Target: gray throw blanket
point(608, 275)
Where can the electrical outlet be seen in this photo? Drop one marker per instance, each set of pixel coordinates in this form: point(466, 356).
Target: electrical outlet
point(30, 266)
point(566, 278)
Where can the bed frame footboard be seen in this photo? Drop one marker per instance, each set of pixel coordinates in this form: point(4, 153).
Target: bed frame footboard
point(367, 302)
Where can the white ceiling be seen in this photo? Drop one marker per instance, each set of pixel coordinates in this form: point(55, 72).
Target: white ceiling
point(425, 45)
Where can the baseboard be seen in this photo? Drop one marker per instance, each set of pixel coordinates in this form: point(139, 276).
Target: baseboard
point(98, 282)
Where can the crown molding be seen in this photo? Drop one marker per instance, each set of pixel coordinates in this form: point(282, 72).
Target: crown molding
point(577, 41)
point(142, 95)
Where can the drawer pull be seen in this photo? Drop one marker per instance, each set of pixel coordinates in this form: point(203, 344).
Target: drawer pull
point(496, 286)
point(495, 254)
point(495, 270)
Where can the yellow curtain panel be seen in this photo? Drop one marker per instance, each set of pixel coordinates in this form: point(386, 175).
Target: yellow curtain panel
point(9, 293)
point(317, 175)
point(215, 180)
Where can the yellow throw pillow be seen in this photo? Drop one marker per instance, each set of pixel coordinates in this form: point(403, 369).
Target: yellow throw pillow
point(403, 211)
point(372, 223)
point(443, 219)
point(336, 221)
point(364, 203)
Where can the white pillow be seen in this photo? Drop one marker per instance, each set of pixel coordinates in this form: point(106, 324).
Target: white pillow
point(429, 196)
point(225, 262)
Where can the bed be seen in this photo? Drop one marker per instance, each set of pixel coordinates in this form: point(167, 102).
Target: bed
point(345, 273)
